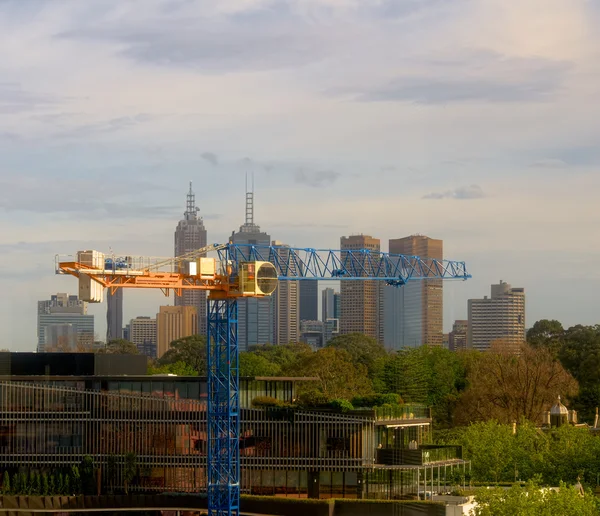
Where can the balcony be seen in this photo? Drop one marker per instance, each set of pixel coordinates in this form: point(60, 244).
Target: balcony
point(425, 454)
point(393, 413)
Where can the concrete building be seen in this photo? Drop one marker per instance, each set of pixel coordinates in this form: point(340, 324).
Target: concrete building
point(312, 333)
point(457, 338)
point(413, 314)
point(172, 323)
point(143, 333)
point(498, 318)
point(189, 236)
point(362, 301)
point(327, 304)
point(114, 315)
point(255, 315)
point(286, 325)
point(63, 324)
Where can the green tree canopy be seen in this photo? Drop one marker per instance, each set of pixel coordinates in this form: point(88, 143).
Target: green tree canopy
point(362, 349)
point(189, 350)
point(120, 347)
point(283, 356)
point(533, 500)
point(546, 333)
point(255, 364)
point(179, 368)
point(338, 376)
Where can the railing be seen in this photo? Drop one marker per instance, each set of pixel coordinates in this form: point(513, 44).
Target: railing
point(402, 412)
point(426, 454)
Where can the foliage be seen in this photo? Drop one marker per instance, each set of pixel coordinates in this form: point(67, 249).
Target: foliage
point(546, 334)
point(120, 347)
point(507, 386)
point(283, 356)
point(532, 500)
point(362, 349)
point(88, 484)
point(338, 376)
point(255, 364)
point(341, 405)
point(130, 470)
point(189, 350)
point(6, 483)
point(266, 401)
point(45, 486)
point(377, 400)
point(179, 368)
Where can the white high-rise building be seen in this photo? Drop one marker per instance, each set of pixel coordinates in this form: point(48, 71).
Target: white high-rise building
point(499, 318)
point(286, 323)
point(63, 324)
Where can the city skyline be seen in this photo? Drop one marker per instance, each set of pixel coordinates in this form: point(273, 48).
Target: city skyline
point(461, 121)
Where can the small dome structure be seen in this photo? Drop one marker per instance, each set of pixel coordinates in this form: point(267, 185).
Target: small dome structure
point(559, 414)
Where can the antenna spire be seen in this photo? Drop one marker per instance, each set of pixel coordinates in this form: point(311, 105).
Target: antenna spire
point(191, 209)
point(250, 202)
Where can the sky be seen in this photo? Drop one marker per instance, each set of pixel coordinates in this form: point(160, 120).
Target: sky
point(473, 121)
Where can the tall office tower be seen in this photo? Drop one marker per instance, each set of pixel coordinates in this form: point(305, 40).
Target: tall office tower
point(255, 315)
point(499, 318)
point(286, 325)
point(114, 315)
point(189, 236)
point(327, 304)
point(309, 300)
point(362, 300)
point(413, 313)
point(337, 305)
point(142, 333)
point(457, 338)
point(172, 323)
point(312, 333)
point(63, 324)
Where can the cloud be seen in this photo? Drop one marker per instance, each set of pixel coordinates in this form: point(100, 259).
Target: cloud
point(14, 99)
point(105, 126)
point(549, 163)
point(478, 76)
point(317, 179)
point(211, 158)
point(462, 193)
point(88, 199)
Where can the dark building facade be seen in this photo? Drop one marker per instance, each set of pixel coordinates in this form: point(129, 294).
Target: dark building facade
point(114, 315)
point(53, 422)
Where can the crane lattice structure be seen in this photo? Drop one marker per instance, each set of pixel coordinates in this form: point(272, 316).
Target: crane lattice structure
point(239, 270)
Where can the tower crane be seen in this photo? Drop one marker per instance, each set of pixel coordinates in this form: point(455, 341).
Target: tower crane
point(240, 270)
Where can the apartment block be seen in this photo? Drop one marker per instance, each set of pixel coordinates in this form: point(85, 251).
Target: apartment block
point(499, 318)
point(172, 323)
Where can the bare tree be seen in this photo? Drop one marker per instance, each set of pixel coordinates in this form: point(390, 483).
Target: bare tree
point(508, 386)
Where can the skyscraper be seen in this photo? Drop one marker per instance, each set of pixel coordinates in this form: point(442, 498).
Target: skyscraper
point(286, 325)
point(255, 315)
point(189, 236)
point(114, 315)
point(327, 304)
point(361, 301)
point(413, 313)
point(63, 324)
point(172, 323)
point(500, 318)
point(457, 338)
point(309, 300)
point(337, 305)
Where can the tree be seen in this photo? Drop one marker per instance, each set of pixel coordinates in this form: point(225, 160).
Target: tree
point(362, 349)
point(507, 386)
point(580, 355)
point(87, 476)
point(76, 480)
point(284, 356)
point(546, 333)
point(129, 470)
point(6, 483)
point(532, 500)
point(254, 364)
point(338, 376)
point(189, 350)
point(45, 487)
point(178, 368)
point(120, 347)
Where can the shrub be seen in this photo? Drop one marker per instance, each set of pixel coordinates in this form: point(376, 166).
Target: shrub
point(266, 401)
point(341, 405)
point(6, 483)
